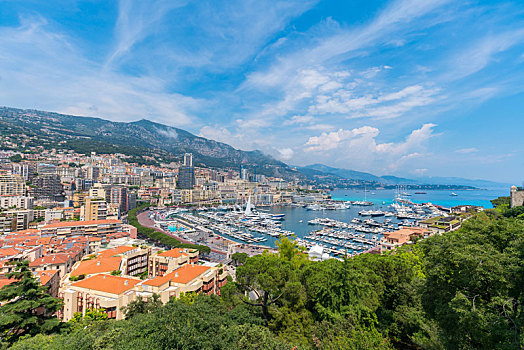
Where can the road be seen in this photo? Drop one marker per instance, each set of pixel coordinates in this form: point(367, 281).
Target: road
point(144, 220)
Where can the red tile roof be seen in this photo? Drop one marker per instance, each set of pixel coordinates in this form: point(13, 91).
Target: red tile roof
point(173, 253)
point(115, 251)
point(81, 223)
point(107, 283)
point(100, 265)
point(45, 276)
point(187, 273)
point(8, 252)
point(60, 258)
point(5, 281)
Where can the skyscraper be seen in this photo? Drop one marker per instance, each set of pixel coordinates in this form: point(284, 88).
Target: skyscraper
point(186, 173)
point(188, 159)
point(119, 198)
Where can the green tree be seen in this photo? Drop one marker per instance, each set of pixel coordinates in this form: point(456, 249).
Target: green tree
point(265, 277)
point(141, 306)
point(239, 258)
point(91, 317)
point(28, 309)
point(515, 212)
point(17, 158)
point(289, 250)
point(476, 273)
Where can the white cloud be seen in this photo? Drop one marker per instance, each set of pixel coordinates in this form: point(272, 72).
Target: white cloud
point(477, 55)
point(327, 141)
point(136, 20)
point(62, 80)
point(299, 119)
point(415, 140)
point(360, 147)
point(286, 154)
point(331, 140)
point(467, 150)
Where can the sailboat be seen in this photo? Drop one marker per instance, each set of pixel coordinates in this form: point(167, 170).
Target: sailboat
point(249, 209)
point(453, 194)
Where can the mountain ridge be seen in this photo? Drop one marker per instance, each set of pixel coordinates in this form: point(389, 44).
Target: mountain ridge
point(395, 180)
point(141, 138)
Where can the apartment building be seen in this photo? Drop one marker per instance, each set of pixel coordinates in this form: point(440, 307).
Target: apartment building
point(93, 228)
point(20, 202)
point(94, 209)
point(15, 220)
point(12, 185)
point(111, 293)
point(406, 235)
point(165, 262)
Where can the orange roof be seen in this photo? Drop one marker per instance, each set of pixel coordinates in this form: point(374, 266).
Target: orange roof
point(95, 239)
point(46, 275)
point(8, 251)
point(405, 232)
point(173, 253)
point(60, 258)
point(117, 235)
point(115, 251)
point(94, 266)
point(107, 283)
point(187, 273)
point(44, 240)
point(5, 281)
point(81, 223)
point(30, 230)
point(158, 281)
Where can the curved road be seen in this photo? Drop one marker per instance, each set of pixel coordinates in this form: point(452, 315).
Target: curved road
point(144, 220)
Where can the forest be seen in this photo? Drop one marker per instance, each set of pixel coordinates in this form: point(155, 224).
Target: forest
point(459, 290)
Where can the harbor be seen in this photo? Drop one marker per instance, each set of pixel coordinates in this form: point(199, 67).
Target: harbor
point(341, 228)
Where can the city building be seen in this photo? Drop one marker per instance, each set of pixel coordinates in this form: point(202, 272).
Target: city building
point(93, 209)
point(186, 173)
point(517, 196)
point(48, 186)
point(165, 262)
point(20, 202)
point(12, 185)
point(87, 228)
point(406, 235)
point(119, 198)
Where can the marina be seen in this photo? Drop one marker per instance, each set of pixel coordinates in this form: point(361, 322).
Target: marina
point(340, 227)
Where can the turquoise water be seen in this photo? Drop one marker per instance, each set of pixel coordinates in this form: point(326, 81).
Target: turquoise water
point(438, 197)
point(175, 229)
point(296, 219)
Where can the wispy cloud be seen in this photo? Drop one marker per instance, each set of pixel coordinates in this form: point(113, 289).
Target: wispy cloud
point(467, 150)
point(136, 20)
point(64, 81)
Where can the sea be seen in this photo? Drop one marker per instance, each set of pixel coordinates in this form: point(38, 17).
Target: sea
point(296, 219)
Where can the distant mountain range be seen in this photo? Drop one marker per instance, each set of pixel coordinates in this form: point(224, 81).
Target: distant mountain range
point(321, 169)
point(147, 141)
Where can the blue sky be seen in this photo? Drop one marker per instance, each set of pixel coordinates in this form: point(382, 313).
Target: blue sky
point(405, 87)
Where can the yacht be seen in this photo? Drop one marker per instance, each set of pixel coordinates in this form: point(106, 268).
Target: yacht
point(277, 216)
point(314, 207)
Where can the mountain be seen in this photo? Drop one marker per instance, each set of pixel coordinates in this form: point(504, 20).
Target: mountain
point(324, 170)
point(395, 180)
point(465, 182)
point(145, 140)
point(343, 173)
